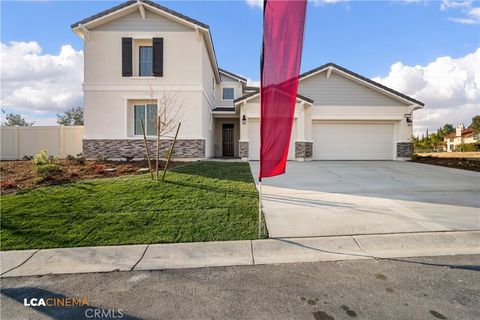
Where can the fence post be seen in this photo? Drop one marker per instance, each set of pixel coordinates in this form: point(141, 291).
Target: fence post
point(17, 142)
point(62, 139)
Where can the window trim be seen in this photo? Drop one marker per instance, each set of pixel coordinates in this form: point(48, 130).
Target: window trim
point(140, 62)
point(145, 119)
point(233, 88)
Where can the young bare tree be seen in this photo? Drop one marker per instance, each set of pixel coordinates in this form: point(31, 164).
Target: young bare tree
point(169, 108)
point(168, 113)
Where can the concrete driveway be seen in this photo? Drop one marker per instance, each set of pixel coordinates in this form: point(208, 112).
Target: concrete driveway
point(324, 198)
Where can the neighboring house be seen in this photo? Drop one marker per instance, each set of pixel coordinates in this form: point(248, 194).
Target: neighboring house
point(461, 136)
point(138, 50)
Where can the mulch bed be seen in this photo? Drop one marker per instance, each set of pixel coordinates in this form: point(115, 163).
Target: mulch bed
point(19, 175)
point(458, 163)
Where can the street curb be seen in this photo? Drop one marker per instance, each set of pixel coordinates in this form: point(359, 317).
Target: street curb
point(235, 253)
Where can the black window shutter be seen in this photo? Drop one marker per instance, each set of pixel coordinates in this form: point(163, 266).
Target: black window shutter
point(157, 57)
point(127, 70)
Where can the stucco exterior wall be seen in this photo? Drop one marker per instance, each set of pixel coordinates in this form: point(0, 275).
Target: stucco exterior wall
point(109, 114)
point(187, 74)
point(228, 82)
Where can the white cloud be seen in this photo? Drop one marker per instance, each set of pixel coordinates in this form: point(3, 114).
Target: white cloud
point(471, 15)
point(253, 83)
point(449, 87)
point(463, 20)
point(40, 83)
point(449, 4)
point(474, 12)
point(255, 3)
point(321, 2)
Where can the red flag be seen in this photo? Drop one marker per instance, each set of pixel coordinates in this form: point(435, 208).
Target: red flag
point(283, 25)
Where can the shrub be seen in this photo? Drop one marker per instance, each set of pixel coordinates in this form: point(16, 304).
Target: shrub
point(467, 147)
point(70, 157)
point(128, 158)
point(80, 159)
point(99, 168)
point(27, 158)
point(415, 157)
point(101, 159)
point(45, 165)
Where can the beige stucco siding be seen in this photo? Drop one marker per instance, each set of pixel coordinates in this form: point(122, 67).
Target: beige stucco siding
point(182, 64)
point(340, 91)
point(228, 82)
point(109, 114)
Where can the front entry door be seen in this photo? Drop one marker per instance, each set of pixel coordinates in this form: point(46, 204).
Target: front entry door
point(227, 140)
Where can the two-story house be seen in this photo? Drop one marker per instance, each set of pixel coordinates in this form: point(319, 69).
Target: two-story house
point(461, 136)
point(139, 52)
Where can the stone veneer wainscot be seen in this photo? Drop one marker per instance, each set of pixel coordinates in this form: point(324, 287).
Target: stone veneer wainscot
point(120, 148)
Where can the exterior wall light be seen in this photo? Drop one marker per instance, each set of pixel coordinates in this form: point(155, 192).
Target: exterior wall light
point(408, 117)
point(244, 119)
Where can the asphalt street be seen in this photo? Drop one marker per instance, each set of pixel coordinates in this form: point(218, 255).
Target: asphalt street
point(405, 288)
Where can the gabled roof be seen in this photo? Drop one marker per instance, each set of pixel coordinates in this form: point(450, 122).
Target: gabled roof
point(232, 75)
point(130, 2)
point(80, 26)
point(255, 93)
point(361, 78)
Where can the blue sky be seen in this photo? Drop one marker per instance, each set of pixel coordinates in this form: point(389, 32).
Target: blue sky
point(367, 37)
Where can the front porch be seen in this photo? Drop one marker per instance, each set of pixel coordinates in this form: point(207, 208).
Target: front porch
point(227, 134)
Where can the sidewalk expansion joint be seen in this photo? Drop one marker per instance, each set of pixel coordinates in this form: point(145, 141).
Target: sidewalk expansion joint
point(362, 248)
point(143, 255)
point(21, 264)
point(251, 249)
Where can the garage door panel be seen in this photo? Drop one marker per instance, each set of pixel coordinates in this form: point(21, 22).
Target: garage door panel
point(254, 140)
point(353, 141)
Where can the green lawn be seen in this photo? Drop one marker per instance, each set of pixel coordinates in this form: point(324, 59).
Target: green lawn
point(203, 201)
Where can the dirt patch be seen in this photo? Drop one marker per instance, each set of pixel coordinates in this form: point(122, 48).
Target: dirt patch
point(457, 163)
point(451, 154)
point(18, 175)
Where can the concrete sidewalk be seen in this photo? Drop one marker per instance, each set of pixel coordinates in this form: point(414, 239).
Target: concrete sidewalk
point(235, 253)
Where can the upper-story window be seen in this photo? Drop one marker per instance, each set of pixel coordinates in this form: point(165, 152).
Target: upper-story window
point(142, 57)
point(145, 60)
point(228, 93)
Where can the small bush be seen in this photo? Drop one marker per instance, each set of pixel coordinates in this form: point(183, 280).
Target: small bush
point(27, 158)
point(99, 168)
point(467, 147)
point(101, 159)
point(45, 165)
point(70, 157)
point(80, 159)
point(415, 157)
point(128, 158)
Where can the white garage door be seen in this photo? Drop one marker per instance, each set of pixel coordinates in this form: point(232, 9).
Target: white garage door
point(254, 140)
point(353, 141)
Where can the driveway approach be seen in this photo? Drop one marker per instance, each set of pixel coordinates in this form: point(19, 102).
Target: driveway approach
point(324, 198)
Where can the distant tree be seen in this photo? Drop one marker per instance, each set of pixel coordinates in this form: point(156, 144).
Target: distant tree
point(71, 117)
point(475, 123)
point(448, 128)
point(13, 119)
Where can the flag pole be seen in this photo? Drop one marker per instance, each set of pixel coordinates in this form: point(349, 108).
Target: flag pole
point(260, 208)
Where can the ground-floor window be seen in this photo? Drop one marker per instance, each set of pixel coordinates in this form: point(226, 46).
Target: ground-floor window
point(147, 113)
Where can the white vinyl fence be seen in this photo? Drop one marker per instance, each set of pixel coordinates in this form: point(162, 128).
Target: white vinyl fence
point(59, 141)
